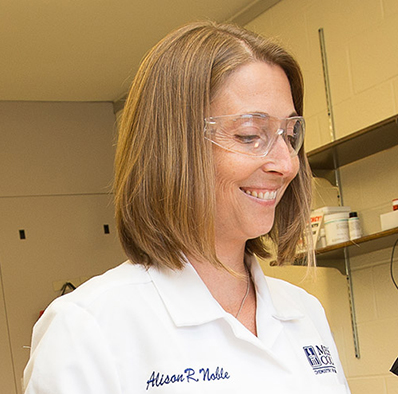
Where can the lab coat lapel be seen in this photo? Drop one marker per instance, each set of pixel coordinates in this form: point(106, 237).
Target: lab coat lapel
point(273, 306)
point(190, 303)
point(185, 296)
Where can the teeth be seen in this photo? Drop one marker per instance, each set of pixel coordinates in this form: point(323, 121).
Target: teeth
point(262, 195)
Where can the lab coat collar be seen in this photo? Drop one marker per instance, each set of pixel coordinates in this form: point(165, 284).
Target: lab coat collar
point(186, 297)
point(189, 302)
point(283, 306)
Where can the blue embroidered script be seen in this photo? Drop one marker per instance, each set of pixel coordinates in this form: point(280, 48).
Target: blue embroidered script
point(189, 375)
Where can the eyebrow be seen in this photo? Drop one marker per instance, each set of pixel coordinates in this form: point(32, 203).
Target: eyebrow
point(294, 113)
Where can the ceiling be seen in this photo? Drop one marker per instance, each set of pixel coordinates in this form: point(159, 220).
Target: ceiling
point(89, 50)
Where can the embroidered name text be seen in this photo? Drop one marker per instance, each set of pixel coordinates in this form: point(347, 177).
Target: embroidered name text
point(189, 375)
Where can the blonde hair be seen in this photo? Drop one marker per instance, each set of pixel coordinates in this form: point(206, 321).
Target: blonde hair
point(164, 183)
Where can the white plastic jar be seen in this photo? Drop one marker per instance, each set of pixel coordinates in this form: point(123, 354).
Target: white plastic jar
point(336, 227)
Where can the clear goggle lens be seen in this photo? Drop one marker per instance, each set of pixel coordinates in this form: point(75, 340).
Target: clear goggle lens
point(255, 134)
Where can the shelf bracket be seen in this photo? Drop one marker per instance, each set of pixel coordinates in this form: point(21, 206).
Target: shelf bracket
point(327, 84)
point(352, 303)
point(338, 184)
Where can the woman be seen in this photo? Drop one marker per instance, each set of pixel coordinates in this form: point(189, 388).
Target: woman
point(210, 166)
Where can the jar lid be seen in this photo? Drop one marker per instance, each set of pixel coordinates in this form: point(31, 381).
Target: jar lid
point(336, 216)
point(353, 215)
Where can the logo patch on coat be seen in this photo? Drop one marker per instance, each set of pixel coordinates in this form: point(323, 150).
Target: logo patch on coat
point(320, 359)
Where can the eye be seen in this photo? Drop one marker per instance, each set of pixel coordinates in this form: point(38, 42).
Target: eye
point(246, 132)
point(246, 138)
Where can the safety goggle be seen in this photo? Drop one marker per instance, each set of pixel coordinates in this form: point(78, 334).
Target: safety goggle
point(255, 134)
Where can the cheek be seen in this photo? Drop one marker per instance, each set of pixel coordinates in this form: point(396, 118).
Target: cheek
point(225, 176)
point(227, 172)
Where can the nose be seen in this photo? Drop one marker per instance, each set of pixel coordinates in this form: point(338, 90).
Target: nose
point(279, 158)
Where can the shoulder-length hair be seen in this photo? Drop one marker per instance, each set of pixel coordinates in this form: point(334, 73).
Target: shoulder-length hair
point(164, 183)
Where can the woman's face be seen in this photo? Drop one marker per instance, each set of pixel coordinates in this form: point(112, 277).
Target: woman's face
point(253, 88)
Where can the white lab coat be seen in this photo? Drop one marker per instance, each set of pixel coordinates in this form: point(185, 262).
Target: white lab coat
point(133, 331)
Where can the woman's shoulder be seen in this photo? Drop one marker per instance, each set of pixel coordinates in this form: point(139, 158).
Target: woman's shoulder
point(108, 284)
point(285, 293)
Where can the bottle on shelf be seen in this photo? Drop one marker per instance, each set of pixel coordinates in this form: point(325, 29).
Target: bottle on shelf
point(354, 226)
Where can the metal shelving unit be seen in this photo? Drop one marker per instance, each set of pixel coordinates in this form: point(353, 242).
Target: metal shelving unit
point(325, 162)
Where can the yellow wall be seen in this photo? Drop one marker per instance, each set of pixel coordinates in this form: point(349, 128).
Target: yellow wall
point(362, 50)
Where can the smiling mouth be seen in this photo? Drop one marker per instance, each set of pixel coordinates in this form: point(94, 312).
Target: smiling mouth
point(266, 196)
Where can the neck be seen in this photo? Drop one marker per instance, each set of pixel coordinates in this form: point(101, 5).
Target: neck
point(230, 291)
point(232, 255)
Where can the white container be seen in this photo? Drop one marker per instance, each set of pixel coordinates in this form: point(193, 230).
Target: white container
point(336, 227)
point(389, 220)
point(330, 210)
point(354, 226)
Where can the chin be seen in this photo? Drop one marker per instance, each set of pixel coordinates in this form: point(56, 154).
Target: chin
point(263, 228)
point(260, 233)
